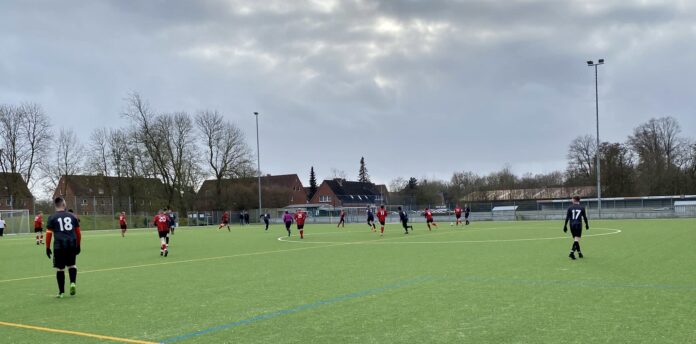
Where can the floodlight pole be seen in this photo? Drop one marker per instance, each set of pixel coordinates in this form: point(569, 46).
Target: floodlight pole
point(258, 158)
point(599, 183)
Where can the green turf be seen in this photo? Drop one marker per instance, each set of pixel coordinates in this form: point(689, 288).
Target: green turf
point(493, 282)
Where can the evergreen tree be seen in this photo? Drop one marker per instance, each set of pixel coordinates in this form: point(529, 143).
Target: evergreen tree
point(312, 183)
point(363, 177)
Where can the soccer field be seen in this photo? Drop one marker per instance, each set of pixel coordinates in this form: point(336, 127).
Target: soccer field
point(492, 282)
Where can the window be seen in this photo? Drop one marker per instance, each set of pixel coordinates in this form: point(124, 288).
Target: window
point(101, 191)
point(8, 202)
point(84, 202)
point(324, 199)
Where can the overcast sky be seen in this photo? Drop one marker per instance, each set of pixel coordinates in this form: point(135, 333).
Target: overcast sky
point(420, 88)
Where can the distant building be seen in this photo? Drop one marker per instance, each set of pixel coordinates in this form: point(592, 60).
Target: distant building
point(530, 194)
point(102, 194)
point(14, 192)
point(342, 193)
point(242, 193)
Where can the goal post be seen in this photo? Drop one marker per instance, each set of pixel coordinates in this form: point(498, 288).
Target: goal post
point(16, 221)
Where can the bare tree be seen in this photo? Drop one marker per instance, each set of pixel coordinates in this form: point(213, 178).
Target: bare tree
point(338, 174)
point(67, 160)
point(227, 153)
point(581, 159)
point(98, 153)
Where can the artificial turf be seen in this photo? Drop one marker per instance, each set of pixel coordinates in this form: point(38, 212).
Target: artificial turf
point(490, 282)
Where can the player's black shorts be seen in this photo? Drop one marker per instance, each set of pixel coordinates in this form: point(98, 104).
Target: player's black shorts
point(163, 234)
point(459, 216)
point(63, 257)
point(576, 231)
point(38, 230)
point(429, 220)
point(404, 223)
point(466, 216)
point(370, 219)
point(382, 222)
point(300, 227)
point(124, 227)
point(287, 225)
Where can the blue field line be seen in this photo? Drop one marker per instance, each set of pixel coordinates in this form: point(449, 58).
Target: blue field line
point(296, 309)
point(578, 283)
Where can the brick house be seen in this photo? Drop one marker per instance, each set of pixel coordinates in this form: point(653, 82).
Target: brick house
point(343, 193)
point(242, 193)
point(14, 192)
point(104, 195)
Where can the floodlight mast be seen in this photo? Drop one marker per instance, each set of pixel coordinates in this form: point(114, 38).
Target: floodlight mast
point(591, 63)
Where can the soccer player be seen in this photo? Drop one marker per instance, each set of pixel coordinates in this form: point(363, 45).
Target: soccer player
point(467, 211)
point(575, 215)
point(287, 219)
point(371, 220)
point(38, 228)
point(404, 220)
point(161, 221)
point(225, 221)
point(300, 217)
point(342, 220)
point(241, 218)
point(172, 220)
point(2, 227)
point(458, 214)
point(429, 219)
point(122, 222)
point(64, 227)
point(382, 217)
point(266, 219)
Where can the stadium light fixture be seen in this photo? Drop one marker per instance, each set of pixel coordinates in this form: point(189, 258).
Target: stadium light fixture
point(258, 158)
point(599, 181)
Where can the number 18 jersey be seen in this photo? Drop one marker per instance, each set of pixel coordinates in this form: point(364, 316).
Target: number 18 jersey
point(64, 226)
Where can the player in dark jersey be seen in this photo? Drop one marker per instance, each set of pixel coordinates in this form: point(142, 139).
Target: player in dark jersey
point(467, 211)
point(266, 217)
point(576, 214)
point(371, 220)
point(342, 220)
point(63, 228)
point(404, 220)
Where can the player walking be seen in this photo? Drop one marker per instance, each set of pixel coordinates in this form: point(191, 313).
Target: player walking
point(287, 219)
point(576, 214)
point(266, 219)
point(429, 219)
point(382, 217)
point(371, 220)
point(458, 215)
point(64, 227)
point(467, 211)
point(161, 221)
point(38, 228)
point(122, 222)
point(342, 220)
point(172, 221)
point(404, 220)
point(300, 217)
point(225, 221)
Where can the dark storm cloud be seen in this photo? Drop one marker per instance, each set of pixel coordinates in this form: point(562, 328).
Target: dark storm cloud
point(417, 87)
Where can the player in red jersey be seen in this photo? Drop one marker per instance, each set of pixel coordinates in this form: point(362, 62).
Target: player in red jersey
point(38, 228)
point(122, 222)
point(225, 221)
point(458, 214)
point(161, 221)
point(382, 217)
point(300, 217)
point(429, 219)
point(342, 220)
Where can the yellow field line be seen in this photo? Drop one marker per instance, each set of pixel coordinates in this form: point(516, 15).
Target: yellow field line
point(76, 333)
point(179, 261)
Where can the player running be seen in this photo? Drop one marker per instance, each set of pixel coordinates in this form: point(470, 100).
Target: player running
point(429, 219)
point(458, 215)
point(38, 228)
point(225, 221)
point(172, 221)
point(287, 219)
point(576, 214)
point(122, 222)
point(382, 217)
point(64, 229)
point(300, 217)
point(371, 220)
point(342, 220)
point(161, 221)
point(467, 211)
point(404, 220)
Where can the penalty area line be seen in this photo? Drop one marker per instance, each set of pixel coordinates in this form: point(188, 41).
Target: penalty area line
point(75, 333)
